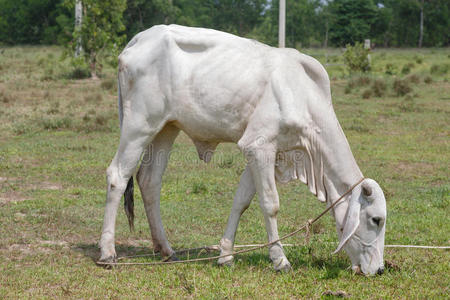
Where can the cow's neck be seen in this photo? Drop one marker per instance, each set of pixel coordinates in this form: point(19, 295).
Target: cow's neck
point(333, 165)
point(340, 170)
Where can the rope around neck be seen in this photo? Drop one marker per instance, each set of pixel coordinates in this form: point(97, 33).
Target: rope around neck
point(306, 226)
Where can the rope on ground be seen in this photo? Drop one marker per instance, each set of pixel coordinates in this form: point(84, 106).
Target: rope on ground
point(250, 248)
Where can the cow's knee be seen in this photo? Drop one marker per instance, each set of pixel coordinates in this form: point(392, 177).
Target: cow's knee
point(270, 205)
point(114, 180)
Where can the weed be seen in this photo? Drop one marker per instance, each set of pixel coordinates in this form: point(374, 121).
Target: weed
point(358, 125)
point(226, 162)
point(56, 123)
point(199, 187)
point(401, 87)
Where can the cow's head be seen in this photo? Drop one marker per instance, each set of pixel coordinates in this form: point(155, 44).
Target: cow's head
point(362, 227)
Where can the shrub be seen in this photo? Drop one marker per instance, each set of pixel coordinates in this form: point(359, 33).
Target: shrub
point(428, 79)
point(401, 87)
point(439, 69)
point(367, 94)
point(407, 68)
point(418, 59)
point(378, 87)
point(413, 78)
point(362, 80)
point(79, 69)
point(356, 58)
point(390, 69)
point(5, 97)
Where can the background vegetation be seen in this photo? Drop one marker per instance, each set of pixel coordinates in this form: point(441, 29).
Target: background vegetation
point(309, 22)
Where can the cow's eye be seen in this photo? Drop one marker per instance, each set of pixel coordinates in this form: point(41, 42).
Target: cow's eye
point(376, 221)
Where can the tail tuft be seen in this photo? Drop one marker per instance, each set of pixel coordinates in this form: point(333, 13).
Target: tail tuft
point(129, 203)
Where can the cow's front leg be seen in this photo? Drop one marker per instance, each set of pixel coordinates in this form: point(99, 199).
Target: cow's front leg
point(244, 195)
point(262, 163)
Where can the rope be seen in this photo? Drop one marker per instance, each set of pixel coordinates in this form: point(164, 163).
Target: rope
point(307, 225)
point(252, 247)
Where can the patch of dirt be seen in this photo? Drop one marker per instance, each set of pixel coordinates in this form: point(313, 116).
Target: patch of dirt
point(13, 189)
point(414, 168)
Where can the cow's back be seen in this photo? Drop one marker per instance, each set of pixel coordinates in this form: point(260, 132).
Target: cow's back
point(209, 82)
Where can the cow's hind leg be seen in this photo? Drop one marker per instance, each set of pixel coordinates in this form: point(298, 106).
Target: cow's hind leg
point(262, 162)
point(244, 195)
point(133, 141)
point(149, 178)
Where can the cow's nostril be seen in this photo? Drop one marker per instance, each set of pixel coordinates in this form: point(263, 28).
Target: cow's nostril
point(380, 271)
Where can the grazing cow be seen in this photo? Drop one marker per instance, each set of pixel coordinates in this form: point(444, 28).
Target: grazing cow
point(274, 103)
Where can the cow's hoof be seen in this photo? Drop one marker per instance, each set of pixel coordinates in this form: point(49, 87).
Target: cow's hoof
point(282, 265)
point(173, 257)
point(105, 262)
point(226, 261)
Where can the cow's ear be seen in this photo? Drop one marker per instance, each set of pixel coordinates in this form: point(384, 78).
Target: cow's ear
point(352, 221)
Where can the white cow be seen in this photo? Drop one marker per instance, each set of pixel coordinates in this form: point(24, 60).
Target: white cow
point(274, 103)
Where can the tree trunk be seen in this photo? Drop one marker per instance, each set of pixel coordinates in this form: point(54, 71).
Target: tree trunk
point(93, 66)
point(78, 22)
point(421, 24)
point(282, 24)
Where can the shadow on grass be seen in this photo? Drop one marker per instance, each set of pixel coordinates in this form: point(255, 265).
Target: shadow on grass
point(300, 257)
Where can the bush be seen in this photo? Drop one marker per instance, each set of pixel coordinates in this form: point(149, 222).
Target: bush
point(401, 87)
point(356, 58)
point(418, 59)
point(367, 94)
point(439, 69)
point(413, 78)
point(407, 68)
point(428, 79)
point(378, 87)
point(390, 69)
point(79, 69)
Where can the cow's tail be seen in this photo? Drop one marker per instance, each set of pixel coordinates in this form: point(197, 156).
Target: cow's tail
point(129, 191)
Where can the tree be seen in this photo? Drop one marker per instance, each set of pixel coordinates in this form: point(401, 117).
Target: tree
point(352, 20)
point(101, 31)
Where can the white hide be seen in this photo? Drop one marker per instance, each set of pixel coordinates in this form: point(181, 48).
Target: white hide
point(217, 87)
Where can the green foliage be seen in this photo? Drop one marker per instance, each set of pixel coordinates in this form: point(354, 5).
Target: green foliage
point(390, 69)
point(101, 32)
point(352, 21)
point(439, 69)
point(356, 58)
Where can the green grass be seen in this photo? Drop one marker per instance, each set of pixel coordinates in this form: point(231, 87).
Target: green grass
point(59, 135)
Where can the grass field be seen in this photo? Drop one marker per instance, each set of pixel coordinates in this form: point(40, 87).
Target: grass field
point(58, 135)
